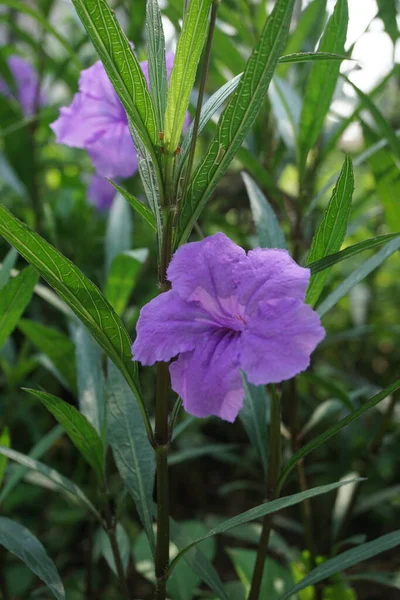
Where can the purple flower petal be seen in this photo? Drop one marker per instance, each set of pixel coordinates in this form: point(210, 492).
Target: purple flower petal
point(203, 272)
point(167, 326)
point(101, 193)
point(26, 82)
point(113, 153)
point(270, 273)
point(278, 340)
point(208, 378)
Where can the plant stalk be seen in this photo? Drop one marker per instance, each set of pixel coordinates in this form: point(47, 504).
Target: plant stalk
point(273, 471)
point(110, 527)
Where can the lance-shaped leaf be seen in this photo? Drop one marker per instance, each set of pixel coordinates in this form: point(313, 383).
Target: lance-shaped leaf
point(133, 455)
point(332, 229)
point(20, 541)
point(121, 66)
point(157, 68)
point(119, 230)
point(322, 81)
point(254, 418)
point(346, 560)
point(137, 205)
point(238, 117)
point(122, 277)
point(14, 298)
point(8, 264)
point(188, 52)
point(81, 433)
point(81, 295)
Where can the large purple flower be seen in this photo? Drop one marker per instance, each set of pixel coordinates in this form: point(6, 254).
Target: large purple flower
point(228, 311)
point(26, 84)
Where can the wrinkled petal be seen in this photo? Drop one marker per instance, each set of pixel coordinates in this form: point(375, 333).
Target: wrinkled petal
point(203, 272)
point(278, 340)
point(101, 193)
point(208, 378)
point(167, 326)
point(113, 153)
point(267, 274)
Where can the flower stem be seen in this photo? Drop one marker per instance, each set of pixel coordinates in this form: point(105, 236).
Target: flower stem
point(274, 467)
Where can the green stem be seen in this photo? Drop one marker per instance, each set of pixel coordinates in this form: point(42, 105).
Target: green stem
point(274, 467)
point(110, 527)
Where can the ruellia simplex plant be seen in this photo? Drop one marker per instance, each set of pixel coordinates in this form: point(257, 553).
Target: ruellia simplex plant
point(228, 330)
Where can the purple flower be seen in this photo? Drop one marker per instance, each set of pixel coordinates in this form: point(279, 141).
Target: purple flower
point(96, 121)
point(228, 311)
point(26, 84)
point(100, 193)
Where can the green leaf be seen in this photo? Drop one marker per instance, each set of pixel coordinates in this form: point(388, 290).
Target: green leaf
point(322, 82)
point(91, 383)
point(132, 451)
point(254, 418)
point(267, 225)
point(54, 344)
point(44, 22)
point(5, 440)
point(326, 435)
point(124, 546)
point(383, 125)
point(119, 230)
point(238, 117)
point(324, 413)
point(286, 105)
point(20, 541)
point(276, 580)
point(346, 560)
point(307, 29)
point(388, 11)
point(343, 502)
point(207, 112)
point(122, 67)
point(376, 499)
point(380, 578)
point(333, 259)
point(191, 453)
point(14, 298)
point(266, 508)
point(81, 295)
point(187, 56)
point(302, 57)
point(157, 68)
point(81, 433)
point(61, 483)
point(7, 266)
point(122, 277)
point(332, 230)
point(358, 275)
point(137, 206)
point(37, 451)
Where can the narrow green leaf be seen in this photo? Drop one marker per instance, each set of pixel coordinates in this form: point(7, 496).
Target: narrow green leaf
point(343, 502)
point(332, 230)
point(14, 298)
point(44, 22)
point(81, 295)
point(333, 259)
point(37, 451)
point(81, 433)
point(358, 275)
point(54, 344)
point(207, 112)
point(187, 56)
point(132, 452)
point(324, 413)
point(8, 264)
point(322, 82)
point(191, 453)
point(122, 277)
point(157, 68)
point(238, 117)
point(5, 440)
point(20, 541)
point(254, 418)
point(346, 560)
point(302, 57)
point(119, 230)
point(326, 435)
point(121, 66)
point(267, 225)
point(259, 511)
point(286, 105)
point(276, 579)
point(388, 12)
point(124, 546)
point(91, 382)
point(306, 31)
point(137, 206)
point(60, 482)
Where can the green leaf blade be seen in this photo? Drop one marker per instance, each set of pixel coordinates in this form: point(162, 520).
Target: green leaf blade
point(14, 298)
point(157, 66)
